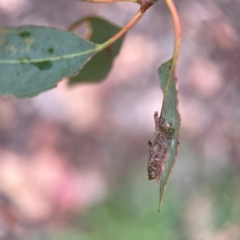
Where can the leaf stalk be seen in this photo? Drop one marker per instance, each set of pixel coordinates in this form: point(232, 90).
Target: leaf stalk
point(177, 33)
point(130, 24)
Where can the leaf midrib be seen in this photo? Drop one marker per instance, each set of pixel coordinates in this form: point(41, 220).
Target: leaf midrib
point(56, 58)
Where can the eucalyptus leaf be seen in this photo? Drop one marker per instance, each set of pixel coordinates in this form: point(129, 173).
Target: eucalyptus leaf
point(168, 83)
point(34, 59)
point(100, 65)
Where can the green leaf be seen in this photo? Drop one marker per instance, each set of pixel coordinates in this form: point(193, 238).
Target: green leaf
point(99, 66)
point(170, 112)
point(34, 59)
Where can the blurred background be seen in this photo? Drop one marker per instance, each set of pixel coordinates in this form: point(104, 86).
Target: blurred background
point(73, 159)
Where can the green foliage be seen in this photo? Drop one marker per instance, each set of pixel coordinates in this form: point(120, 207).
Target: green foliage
point(226, 194)
point(129, 214)
point(171, 115)
point(100, 64)
point(34, 59)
